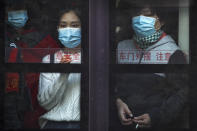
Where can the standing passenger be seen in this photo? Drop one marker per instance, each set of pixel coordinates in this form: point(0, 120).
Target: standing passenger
point(156, 100)
point(23, 42)
point(59, 93)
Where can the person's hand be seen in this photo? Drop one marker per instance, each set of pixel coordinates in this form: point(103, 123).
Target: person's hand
point(144, 121)
point(123, 110)
point(66, 59)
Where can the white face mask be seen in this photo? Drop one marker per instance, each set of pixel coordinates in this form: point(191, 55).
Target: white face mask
point(70, 37)
point(17, 19)
point(143, 26)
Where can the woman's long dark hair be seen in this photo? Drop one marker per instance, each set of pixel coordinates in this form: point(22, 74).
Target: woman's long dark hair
point(61, 13)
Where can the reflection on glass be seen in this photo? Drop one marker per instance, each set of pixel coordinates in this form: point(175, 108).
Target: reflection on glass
point(149, 56)
point(39, 55)
point(42, 100)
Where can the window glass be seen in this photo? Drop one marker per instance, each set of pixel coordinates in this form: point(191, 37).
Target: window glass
point(42, 100)
point(46, 32)
point(143, 96)
point(150, 32)
point(35, 29)
point(156, 100)
point(41, 55)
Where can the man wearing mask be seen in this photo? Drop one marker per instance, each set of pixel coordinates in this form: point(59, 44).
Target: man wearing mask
point(19, 36)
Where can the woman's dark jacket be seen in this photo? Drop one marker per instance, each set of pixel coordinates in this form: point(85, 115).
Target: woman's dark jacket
point(162, 96)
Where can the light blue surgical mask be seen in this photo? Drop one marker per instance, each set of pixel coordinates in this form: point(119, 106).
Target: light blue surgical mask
point(70, 37)
point(17, 19)
point(143, 26)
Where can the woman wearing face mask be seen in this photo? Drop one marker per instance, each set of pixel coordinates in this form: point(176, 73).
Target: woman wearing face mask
point(148, 39)
point(59, 93)
point(156, 100)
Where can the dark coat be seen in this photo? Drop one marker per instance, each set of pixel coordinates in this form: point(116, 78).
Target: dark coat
point(20, 86)
point(164, 98)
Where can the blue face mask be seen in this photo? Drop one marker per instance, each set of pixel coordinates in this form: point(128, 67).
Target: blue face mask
point(143, 26)
point(17, 19)
point(70, 37)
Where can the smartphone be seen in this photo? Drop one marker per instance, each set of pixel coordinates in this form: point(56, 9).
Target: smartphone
point(129, 116)
point(135, 126)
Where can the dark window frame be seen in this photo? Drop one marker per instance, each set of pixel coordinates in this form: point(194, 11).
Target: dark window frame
point(97, 65)
point(116, 68)
point(82, 68)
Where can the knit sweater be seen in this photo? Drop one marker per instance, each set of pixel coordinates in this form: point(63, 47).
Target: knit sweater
point(59, 93)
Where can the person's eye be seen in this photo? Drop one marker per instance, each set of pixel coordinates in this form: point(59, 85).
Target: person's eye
point(75, 25)
point(62, 25)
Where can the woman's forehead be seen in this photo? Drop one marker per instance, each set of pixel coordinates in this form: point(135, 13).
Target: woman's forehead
point(69, 16)
point(145, 10)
